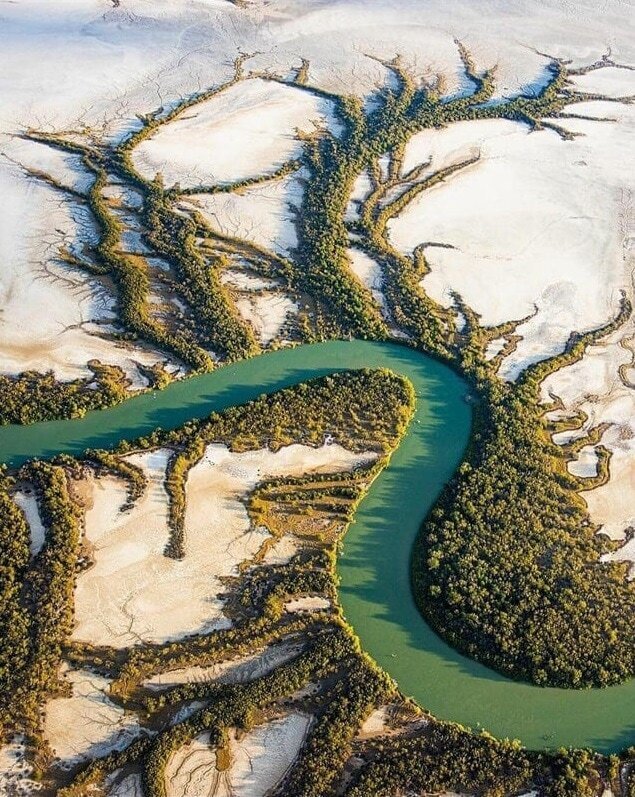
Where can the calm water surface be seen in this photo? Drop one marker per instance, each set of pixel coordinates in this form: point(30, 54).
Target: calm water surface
point(375, 565)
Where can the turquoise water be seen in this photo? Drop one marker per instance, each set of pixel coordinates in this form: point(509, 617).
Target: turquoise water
point(375, 565)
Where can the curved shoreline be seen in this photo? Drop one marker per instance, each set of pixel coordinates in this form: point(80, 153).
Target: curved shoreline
point(374, 567)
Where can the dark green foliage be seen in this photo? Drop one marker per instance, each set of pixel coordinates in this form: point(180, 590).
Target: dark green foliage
point(322, 268)
point(43, 610)
point(362, 410)
point(172, 235)
point(32, 397)
point(444, 757)
point(14, 618)
point(319, 766)
point(233, 705)
point(130, 277)
point(506, 566)
point(572, 774)
point(106, 462)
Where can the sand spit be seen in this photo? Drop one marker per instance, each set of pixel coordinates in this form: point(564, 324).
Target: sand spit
point(242, 670)
point(258, 761)
point(133, 592)
point(87, 724)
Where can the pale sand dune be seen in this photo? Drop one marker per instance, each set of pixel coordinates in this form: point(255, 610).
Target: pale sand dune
point(264, 755)
point(259, 760)
point(267, 314)
point(51, 313)
point(78, 63)
point(260, 302)
point(585, 464)
point(128, 786)
point(375, 724)
point(87, 724)
point(133, 592)
point(611, 82)
point(29, 337)
point(186, 711)
point(191, 770)
point(246, 280)
point(368, 272)
point(593, 385)
point(282, 550)
point(64, 167)
point(361, 189)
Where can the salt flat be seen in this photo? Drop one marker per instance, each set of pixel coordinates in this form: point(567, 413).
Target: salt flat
point(258, 761)
point(87, 723)
point(134, 593)
point(207, 145)
point(538, 228)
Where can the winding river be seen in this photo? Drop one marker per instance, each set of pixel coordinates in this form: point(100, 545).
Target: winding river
point(375, 565)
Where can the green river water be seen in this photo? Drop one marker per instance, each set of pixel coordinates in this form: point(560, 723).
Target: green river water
point(375, 565)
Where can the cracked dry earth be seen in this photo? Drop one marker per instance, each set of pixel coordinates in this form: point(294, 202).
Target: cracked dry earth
point(133, 593)
point(556, 254)
point(258, 761)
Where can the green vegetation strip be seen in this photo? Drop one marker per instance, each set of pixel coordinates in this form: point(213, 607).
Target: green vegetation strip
point(375, 564)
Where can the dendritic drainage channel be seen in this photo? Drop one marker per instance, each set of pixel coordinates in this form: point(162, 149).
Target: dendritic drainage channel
point(375, 585)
